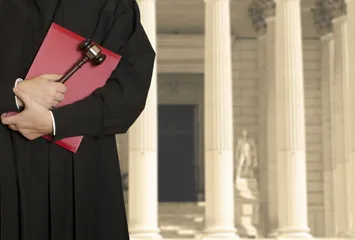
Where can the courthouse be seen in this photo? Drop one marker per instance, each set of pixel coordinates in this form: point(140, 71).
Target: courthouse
point(281, 71)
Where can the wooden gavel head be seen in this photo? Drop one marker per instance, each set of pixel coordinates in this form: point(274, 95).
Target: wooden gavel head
point(92, 52)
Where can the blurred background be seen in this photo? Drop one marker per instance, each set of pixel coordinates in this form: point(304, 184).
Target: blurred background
point(164, 153)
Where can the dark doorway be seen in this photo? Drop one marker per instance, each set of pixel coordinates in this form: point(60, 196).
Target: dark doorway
point(177, 176)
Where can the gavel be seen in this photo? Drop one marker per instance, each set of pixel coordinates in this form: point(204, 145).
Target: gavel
point(92, 53)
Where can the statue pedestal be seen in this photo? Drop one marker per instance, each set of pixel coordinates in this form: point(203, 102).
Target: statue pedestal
point(247, 207)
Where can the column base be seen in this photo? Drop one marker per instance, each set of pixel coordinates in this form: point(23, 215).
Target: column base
point(151, 236)
point(349, 234)
point(272, 234)
point(293, 236)
point(219, 234)
point(146, 234)
point(289, 233)
point(219, 237)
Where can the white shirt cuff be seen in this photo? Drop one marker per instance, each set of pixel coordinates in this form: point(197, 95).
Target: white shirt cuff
point(53, 123)
point(16, 99)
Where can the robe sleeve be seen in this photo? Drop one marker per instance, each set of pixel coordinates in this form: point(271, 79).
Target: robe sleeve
point(7, 103)
point(113, 108)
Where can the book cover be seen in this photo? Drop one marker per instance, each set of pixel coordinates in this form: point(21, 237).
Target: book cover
point(57, 54)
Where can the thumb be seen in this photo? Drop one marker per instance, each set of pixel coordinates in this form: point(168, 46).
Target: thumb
point(7, 119)
point(52, 77)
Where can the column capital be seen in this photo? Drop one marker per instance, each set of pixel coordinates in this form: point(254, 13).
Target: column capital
point(260, 11)
point(337, 8)
point(325, 12)
point(323, 15)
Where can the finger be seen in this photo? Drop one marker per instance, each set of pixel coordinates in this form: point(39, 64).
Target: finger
point(55, 104)
point(52, 77)
point(13, 127)
point(8, 120)
point(59, 97)
point(61, 88)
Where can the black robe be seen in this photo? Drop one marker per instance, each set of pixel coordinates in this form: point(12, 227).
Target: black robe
point(46, 192)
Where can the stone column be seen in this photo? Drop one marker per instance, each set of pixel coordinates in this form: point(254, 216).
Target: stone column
point(218, 110)
point(342, 124)
point(327, 140)
point(260, 195)
point(290, 112)
point(323, 22)
point(143, 156)
point(263, 16)
point(351, 58)
point(271, 126)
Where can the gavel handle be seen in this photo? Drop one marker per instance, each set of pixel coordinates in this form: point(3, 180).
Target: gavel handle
point(72, 70)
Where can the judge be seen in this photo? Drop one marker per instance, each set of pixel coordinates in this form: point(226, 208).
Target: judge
point(47, 192)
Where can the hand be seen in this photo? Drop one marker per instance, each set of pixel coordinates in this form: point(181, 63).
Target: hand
point(44, 90)
point(33, 122)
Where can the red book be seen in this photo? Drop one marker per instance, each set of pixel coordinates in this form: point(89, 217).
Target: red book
point(57, 54)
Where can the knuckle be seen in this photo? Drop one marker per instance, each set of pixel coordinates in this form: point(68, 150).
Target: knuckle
point(60, 87)
point(52, 87)
point(64, 88)
point(46, 76)
point(22, 86)
point(51, 95)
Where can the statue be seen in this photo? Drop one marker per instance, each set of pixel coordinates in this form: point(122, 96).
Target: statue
point(246, 157)
point(247, 194)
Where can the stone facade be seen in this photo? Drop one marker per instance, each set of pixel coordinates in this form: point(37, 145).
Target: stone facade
point(293, 96)
point(248, 110)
